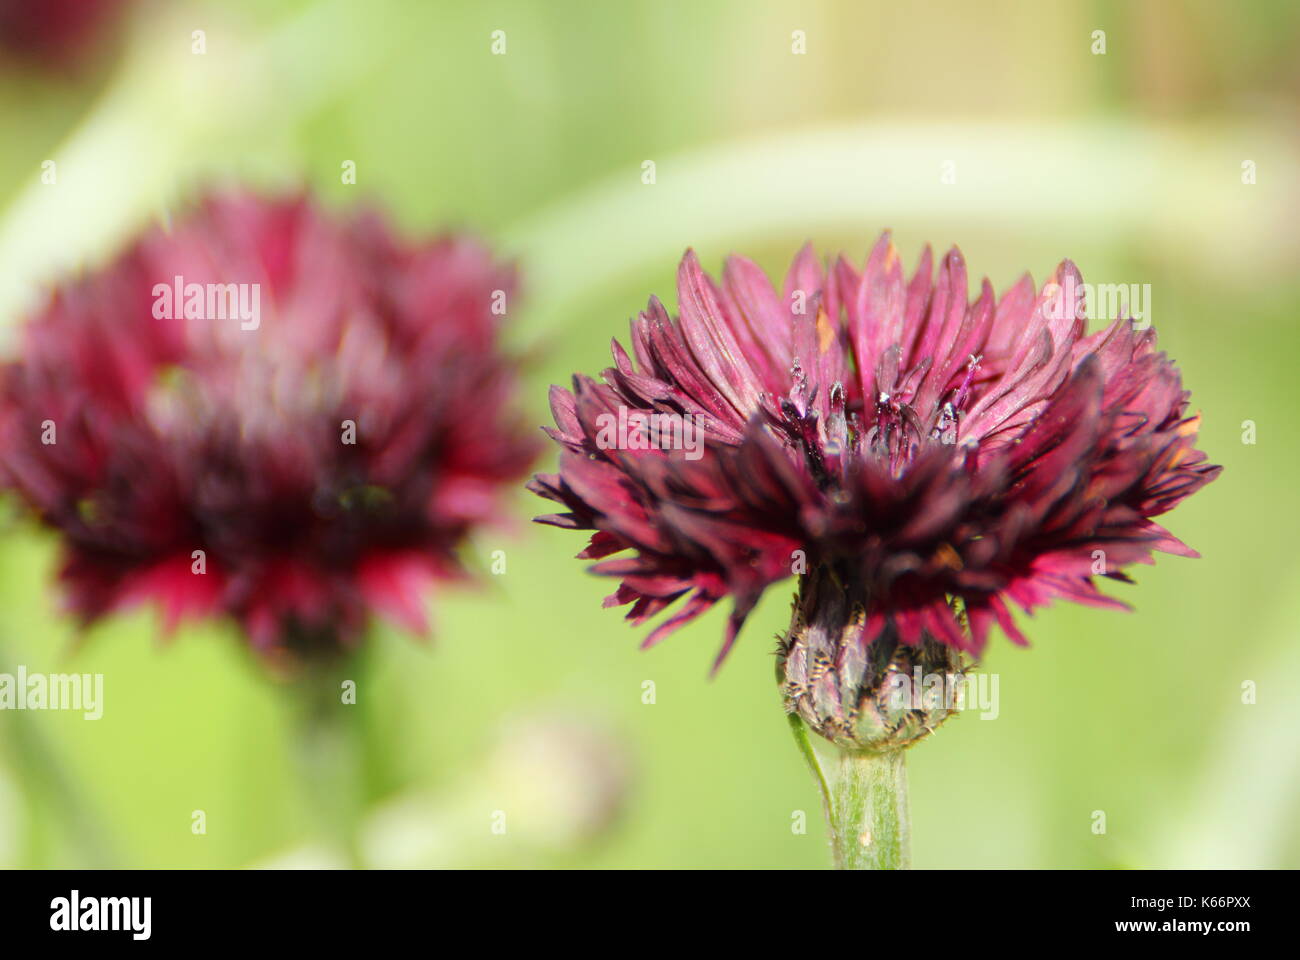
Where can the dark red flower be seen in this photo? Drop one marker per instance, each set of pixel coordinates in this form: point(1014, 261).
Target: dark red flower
point(54, 32)
point(919, 452)
point(320, 408)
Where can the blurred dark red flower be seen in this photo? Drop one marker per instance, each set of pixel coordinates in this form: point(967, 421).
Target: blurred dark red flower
point(322, 409)
point(54, 32)
point(886, 439)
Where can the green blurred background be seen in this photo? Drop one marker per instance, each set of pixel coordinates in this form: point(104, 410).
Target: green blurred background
point(531, 699)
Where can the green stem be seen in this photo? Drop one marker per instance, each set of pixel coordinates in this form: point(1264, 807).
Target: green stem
point(865, 805)
point(870, 828)
point(50, 785)
point(328, 752)
point(800, 731)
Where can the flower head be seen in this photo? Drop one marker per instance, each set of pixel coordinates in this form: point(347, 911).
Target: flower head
point(267, 411)
point(931, 458)
point(55, 33)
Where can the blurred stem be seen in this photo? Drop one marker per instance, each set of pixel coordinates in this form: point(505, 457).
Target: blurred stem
point(329, 753)
point(48, 783)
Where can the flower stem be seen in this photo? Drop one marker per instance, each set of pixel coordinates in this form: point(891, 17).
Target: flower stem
point(800, 731)
point(328, 754)
point(865, 804)
point(870, 828)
